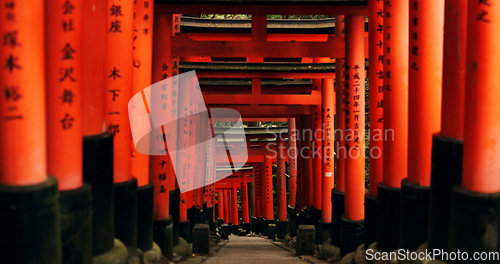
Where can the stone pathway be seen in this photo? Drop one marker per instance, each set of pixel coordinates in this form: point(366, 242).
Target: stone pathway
point(252, 250)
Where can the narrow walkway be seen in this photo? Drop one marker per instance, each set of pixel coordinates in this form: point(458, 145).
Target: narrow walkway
point(252, 250)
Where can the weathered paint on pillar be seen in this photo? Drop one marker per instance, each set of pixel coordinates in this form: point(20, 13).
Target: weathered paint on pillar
point(161, 169)
point(245, 213)
point(256, 191)
point(328, 148)
point(396, 19)
point(317, 136)
point(64, 114)
point(22, 104)
point(281, 181)
point(292, 157)
point(94, 71)
point(376, 91)
point(340, 112)
point(226, 206)
point(355, 119)
point(306, 160)
point(425, 80)
point(142, 72)
point(482, 96)
point(267, 212)
point(119, 83)
point(220, 204)
point(454, 65)
point(234, 204)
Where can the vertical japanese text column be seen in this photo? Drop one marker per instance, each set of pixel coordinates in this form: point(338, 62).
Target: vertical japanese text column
point(292, 161)
point(316, 147)
point(352, 221)
point(27, 222)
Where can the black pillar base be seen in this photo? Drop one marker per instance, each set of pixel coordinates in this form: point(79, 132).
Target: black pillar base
point(370, 219)
point(294, 222)
point(234, 229)
point(98, 172)
point(323, 232)
point(338, 199)
point(265, 226)
point(475, 222)
point(209, 216)
point(145, 217)
point(173, 210)
point(388, 217)
point(246, 227)
point(163, 236)
point(282, 228)
point(30, 224)
point(352, 234)
point(414, 215)
point(76, 226)
point(305, 217)
point(255, 225)
point(315, 216)
point(446, 172)
point(126, 212)
point(185, 230)
point(220, 222)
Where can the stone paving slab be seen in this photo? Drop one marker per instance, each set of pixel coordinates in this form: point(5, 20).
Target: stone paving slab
point(251, 250)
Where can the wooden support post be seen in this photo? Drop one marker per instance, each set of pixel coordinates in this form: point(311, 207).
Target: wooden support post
point(328, 149)
point(244, 200)
point(316, 147)
point(64, 116)
point(256, 191)
point(292, 152)
point(226, 207)
point(476, 203)
point(22, 76)
point(396, 19)
point(425, 80)
point(268, 210)
point(234, 204)
point(446, 173)
point(119, 83)
point(220, 204)
point(281, 181)
point(376, 114)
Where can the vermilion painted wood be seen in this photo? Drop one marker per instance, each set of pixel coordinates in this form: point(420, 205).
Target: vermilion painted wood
point(281, 181)
point(482, 94)
point(22, 105)
point(425, 82)
point(234, 205)
point(256, 191)
point(376, 92)
point(328, 112)
point(317, 143)
point(355, 95)
point(245, 212)
point(64, 111)
point(292, 153)
point(340, 113)
point(142, 73)
point(268, 209)
point(396, 19)
point(263, 9)
point(119, 84)
point(160, 166)
point(454, 68)
point(93, 94)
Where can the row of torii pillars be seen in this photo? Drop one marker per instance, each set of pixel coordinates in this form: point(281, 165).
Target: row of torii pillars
point(51, 100)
